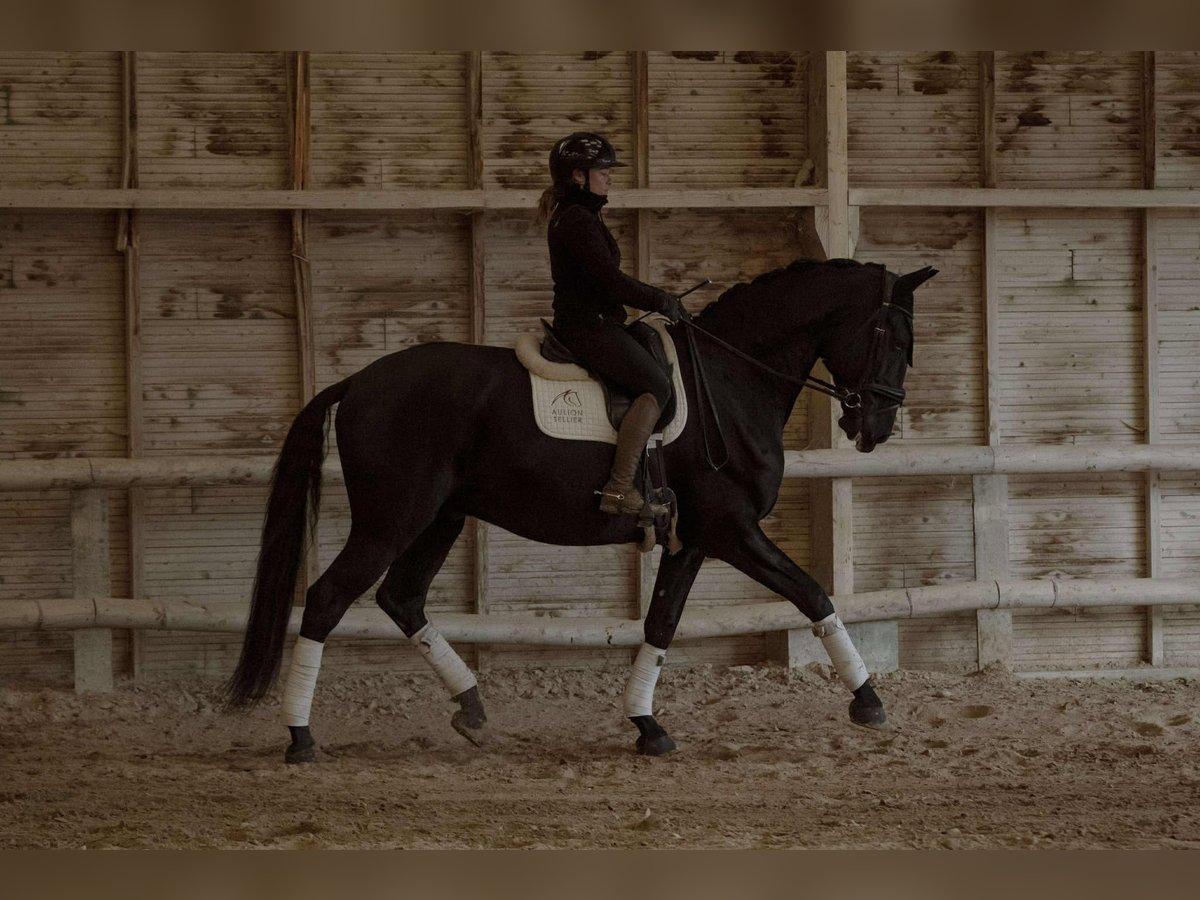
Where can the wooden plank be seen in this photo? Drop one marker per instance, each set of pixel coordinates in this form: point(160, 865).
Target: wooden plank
point(428, 199)
point(987, 118)
point(299, 109)
point(1149, 123)
point(477, 299)
point(991, 305)
point(837, 155)
point(129, 242)
point(994, 628)
point(1155, 619)
point(631, 198)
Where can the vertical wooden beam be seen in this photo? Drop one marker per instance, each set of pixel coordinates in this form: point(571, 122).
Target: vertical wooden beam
point(1149, 122)
point(987, 118)
point(813, 222)
point(129, 243)
point(299, 110)
point(474, 119)
point(991, 327)
point(299, 115)
point(477, 298)
point(837, 159)
point(993, 628)
point(994, 635)
point(643, 566)
point(92, 580)
point(1154, 652)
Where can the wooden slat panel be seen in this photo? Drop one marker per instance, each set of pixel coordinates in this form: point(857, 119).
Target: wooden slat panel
point(220, 371)
point(1178, 325)
point(1068, 118)
point(62, 393)
point(219, 375)
point(914, 531)
point(1177, 102)
point(1180, 522)
point(383, 282)
point(60, 119)
point(212, 120)
point(62, 367)
point(945, 402)
point(530, 100)
point(385, 120)
point(1077, 526)
point(914, 118)
point(199, 542)
point(729, 118)
point(1069, 287)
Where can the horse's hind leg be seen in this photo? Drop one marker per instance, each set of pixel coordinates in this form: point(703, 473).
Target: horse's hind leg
point(402, 597)
point(352, 572)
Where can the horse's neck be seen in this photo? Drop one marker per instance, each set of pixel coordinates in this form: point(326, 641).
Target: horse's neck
point(749, 320)
point(745, 322)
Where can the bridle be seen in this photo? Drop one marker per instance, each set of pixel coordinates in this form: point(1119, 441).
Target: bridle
point(850, 398)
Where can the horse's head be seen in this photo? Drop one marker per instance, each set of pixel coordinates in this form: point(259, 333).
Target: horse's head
point(868, 352)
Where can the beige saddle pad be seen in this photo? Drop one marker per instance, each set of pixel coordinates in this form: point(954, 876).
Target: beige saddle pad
point(569, 404)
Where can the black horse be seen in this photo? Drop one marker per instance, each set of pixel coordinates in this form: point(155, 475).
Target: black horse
point(438, 432)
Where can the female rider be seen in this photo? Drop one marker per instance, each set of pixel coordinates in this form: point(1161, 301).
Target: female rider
point(590, 293)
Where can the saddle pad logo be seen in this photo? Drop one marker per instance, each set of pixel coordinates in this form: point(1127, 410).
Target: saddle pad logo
point(567, 408)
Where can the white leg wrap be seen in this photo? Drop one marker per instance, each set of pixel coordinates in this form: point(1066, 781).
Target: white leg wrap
point(846, 661)
point(639, 690)
point(442, 658)
point(301, 681)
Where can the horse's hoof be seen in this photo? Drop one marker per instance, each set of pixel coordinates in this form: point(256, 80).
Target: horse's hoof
point(868, 716)
point(303, 749)
point(660, 745)
point(866, 709)
point(470, 727)
point(295, 754)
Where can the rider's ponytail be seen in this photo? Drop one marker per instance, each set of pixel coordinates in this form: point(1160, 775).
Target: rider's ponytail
point(546, 204)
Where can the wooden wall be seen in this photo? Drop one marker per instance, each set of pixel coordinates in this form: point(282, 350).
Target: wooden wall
point(1048, 323)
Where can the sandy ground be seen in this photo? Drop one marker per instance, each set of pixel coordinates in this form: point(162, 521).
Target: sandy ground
point(767, 758)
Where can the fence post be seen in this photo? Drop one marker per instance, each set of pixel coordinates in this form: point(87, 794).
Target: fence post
point(90, 568)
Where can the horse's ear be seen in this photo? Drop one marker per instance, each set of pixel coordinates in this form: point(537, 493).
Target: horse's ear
point(914, 280)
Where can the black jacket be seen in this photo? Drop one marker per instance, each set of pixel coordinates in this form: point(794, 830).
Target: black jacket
point(585, 262)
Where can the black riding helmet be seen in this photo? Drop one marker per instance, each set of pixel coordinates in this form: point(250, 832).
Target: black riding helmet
point(581, 150)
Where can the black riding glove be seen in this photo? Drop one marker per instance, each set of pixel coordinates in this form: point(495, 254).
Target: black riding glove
point(674, 309)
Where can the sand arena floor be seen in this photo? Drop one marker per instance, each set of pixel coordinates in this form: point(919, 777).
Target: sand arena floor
point(767, 758)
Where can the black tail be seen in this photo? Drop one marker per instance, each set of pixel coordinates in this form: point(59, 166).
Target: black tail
point(295, 496)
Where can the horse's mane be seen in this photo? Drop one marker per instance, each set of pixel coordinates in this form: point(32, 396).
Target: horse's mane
point(767, 278)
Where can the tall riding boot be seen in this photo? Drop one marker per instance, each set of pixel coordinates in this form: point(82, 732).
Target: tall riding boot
point(619, 495)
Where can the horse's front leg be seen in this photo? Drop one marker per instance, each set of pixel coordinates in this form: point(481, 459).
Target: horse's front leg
point(759, 558)
point(675, 577)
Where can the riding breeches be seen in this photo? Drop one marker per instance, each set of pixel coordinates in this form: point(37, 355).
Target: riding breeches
point(609, 352)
